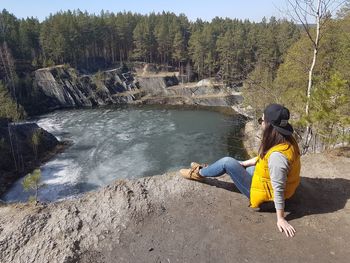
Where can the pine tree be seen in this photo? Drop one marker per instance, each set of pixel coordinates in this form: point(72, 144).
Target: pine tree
point(141, 41)
point(330, 114)
point(32, 182)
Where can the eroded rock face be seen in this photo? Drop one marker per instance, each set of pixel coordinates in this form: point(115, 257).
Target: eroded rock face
point(159, 92)
point(62, 87)
point(19, 154)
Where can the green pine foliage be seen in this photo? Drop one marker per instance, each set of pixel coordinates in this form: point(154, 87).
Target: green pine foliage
point(230, 47)
point(287, 84)
point(330, 113)
point(32, 183)
point(36, 140)
point(142, 43)
point(8, 108)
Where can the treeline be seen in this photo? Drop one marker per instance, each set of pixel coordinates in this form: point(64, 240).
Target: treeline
point(228, 48)
point(330, 98)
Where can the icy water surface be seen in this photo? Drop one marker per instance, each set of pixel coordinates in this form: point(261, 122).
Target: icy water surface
point(129, 142)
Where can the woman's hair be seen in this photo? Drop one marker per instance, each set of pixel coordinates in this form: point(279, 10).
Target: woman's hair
point(272, 137)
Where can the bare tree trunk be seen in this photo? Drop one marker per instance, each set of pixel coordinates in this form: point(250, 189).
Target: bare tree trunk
point(309, 87)
point(12, 148)
point(4, 54)
point(316, 43)
point(36, 193)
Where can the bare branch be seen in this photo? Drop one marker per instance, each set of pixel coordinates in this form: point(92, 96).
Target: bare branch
point(337, 6)
point(311, 6)
point(302, 18)
point(306, 12)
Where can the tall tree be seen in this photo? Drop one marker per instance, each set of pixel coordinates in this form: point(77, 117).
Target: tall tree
point(320, 11)
point(141, 36)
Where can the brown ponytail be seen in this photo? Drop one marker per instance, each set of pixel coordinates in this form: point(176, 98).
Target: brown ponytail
point(272, 137)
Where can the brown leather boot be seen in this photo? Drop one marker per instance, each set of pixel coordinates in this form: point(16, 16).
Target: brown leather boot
point(193, 173)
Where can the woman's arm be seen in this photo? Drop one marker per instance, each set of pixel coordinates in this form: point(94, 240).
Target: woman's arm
point(249, 162)
point(278, 168)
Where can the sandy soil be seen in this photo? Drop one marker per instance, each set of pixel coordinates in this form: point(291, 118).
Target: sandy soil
point(169, 219)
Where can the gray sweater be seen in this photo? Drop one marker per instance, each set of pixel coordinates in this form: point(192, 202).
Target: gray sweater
point(278, 168)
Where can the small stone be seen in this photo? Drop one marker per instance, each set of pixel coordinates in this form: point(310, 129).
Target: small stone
point(151, 249)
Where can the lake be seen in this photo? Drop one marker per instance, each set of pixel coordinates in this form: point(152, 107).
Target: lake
point(129, 142)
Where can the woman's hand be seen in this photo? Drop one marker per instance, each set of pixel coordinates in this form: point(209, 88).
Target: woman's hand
point(284, 226)
point(249, 162)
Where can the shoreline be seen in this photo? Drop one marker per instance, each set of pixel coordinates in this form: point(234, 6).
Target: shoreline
point(63, 145)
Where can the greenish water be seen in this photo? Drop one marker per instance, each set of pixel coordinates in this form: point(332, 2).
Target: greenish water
point(129, 142)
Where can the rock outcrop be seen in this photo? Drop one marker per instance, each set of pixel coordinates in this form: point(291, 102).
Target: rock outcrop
point(63, 87)
point(159, 91)
point(23, 147)
point(166, 218)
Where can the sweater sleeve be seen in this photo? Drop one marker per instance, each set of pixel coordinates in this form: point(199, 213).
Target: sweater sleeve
point(278, 168)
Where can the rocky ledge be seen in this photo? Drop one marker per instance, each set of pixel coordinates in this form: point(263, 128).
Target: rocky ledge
point(166, 218)
point(23, 147)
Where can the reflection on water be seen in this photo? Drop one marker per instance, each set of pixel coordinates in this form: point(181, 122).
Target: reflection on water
point(129, 142)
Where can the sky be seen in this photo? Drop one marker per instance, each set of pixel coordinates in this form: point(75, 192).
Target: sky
point(254, 10)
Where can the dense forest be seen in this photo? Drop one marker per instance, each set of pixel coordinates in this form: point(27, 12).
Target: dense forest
point(90, 42)
point(271, 57)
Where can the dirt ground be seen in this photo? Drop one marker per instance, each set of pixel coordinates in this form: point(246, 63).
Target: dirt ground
point(169, 219)
point(214, 224)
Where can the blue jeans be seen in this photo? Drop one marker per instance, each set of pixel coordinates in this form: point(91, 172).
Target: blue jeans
point(241, 177)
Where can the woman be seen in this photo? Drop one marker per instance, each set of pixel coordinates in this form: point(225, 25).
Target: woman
point(273, 175)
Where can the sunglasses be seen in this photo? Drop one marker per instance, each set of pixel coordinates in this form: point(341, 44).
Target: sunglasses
point(260, 120)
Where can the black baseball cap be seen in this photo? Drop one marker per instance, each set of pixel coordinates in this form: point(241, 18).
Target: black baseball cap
point(278, 116)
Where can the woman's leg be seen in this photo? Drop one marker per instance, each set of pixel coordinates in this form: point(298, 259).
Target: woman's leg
point(250, 170)
point(241, 178)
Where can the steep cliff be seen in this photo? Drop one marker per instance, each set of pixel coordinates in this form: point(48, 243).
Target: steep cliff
point(63, 87)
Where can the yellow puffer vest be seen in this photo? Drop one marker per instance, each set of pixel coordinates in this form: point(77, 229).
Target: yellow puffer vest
point(261, 188)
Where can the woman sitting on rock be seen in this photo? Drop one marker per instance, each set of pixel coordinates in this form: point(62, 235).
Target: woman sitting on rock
point(273, 175)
